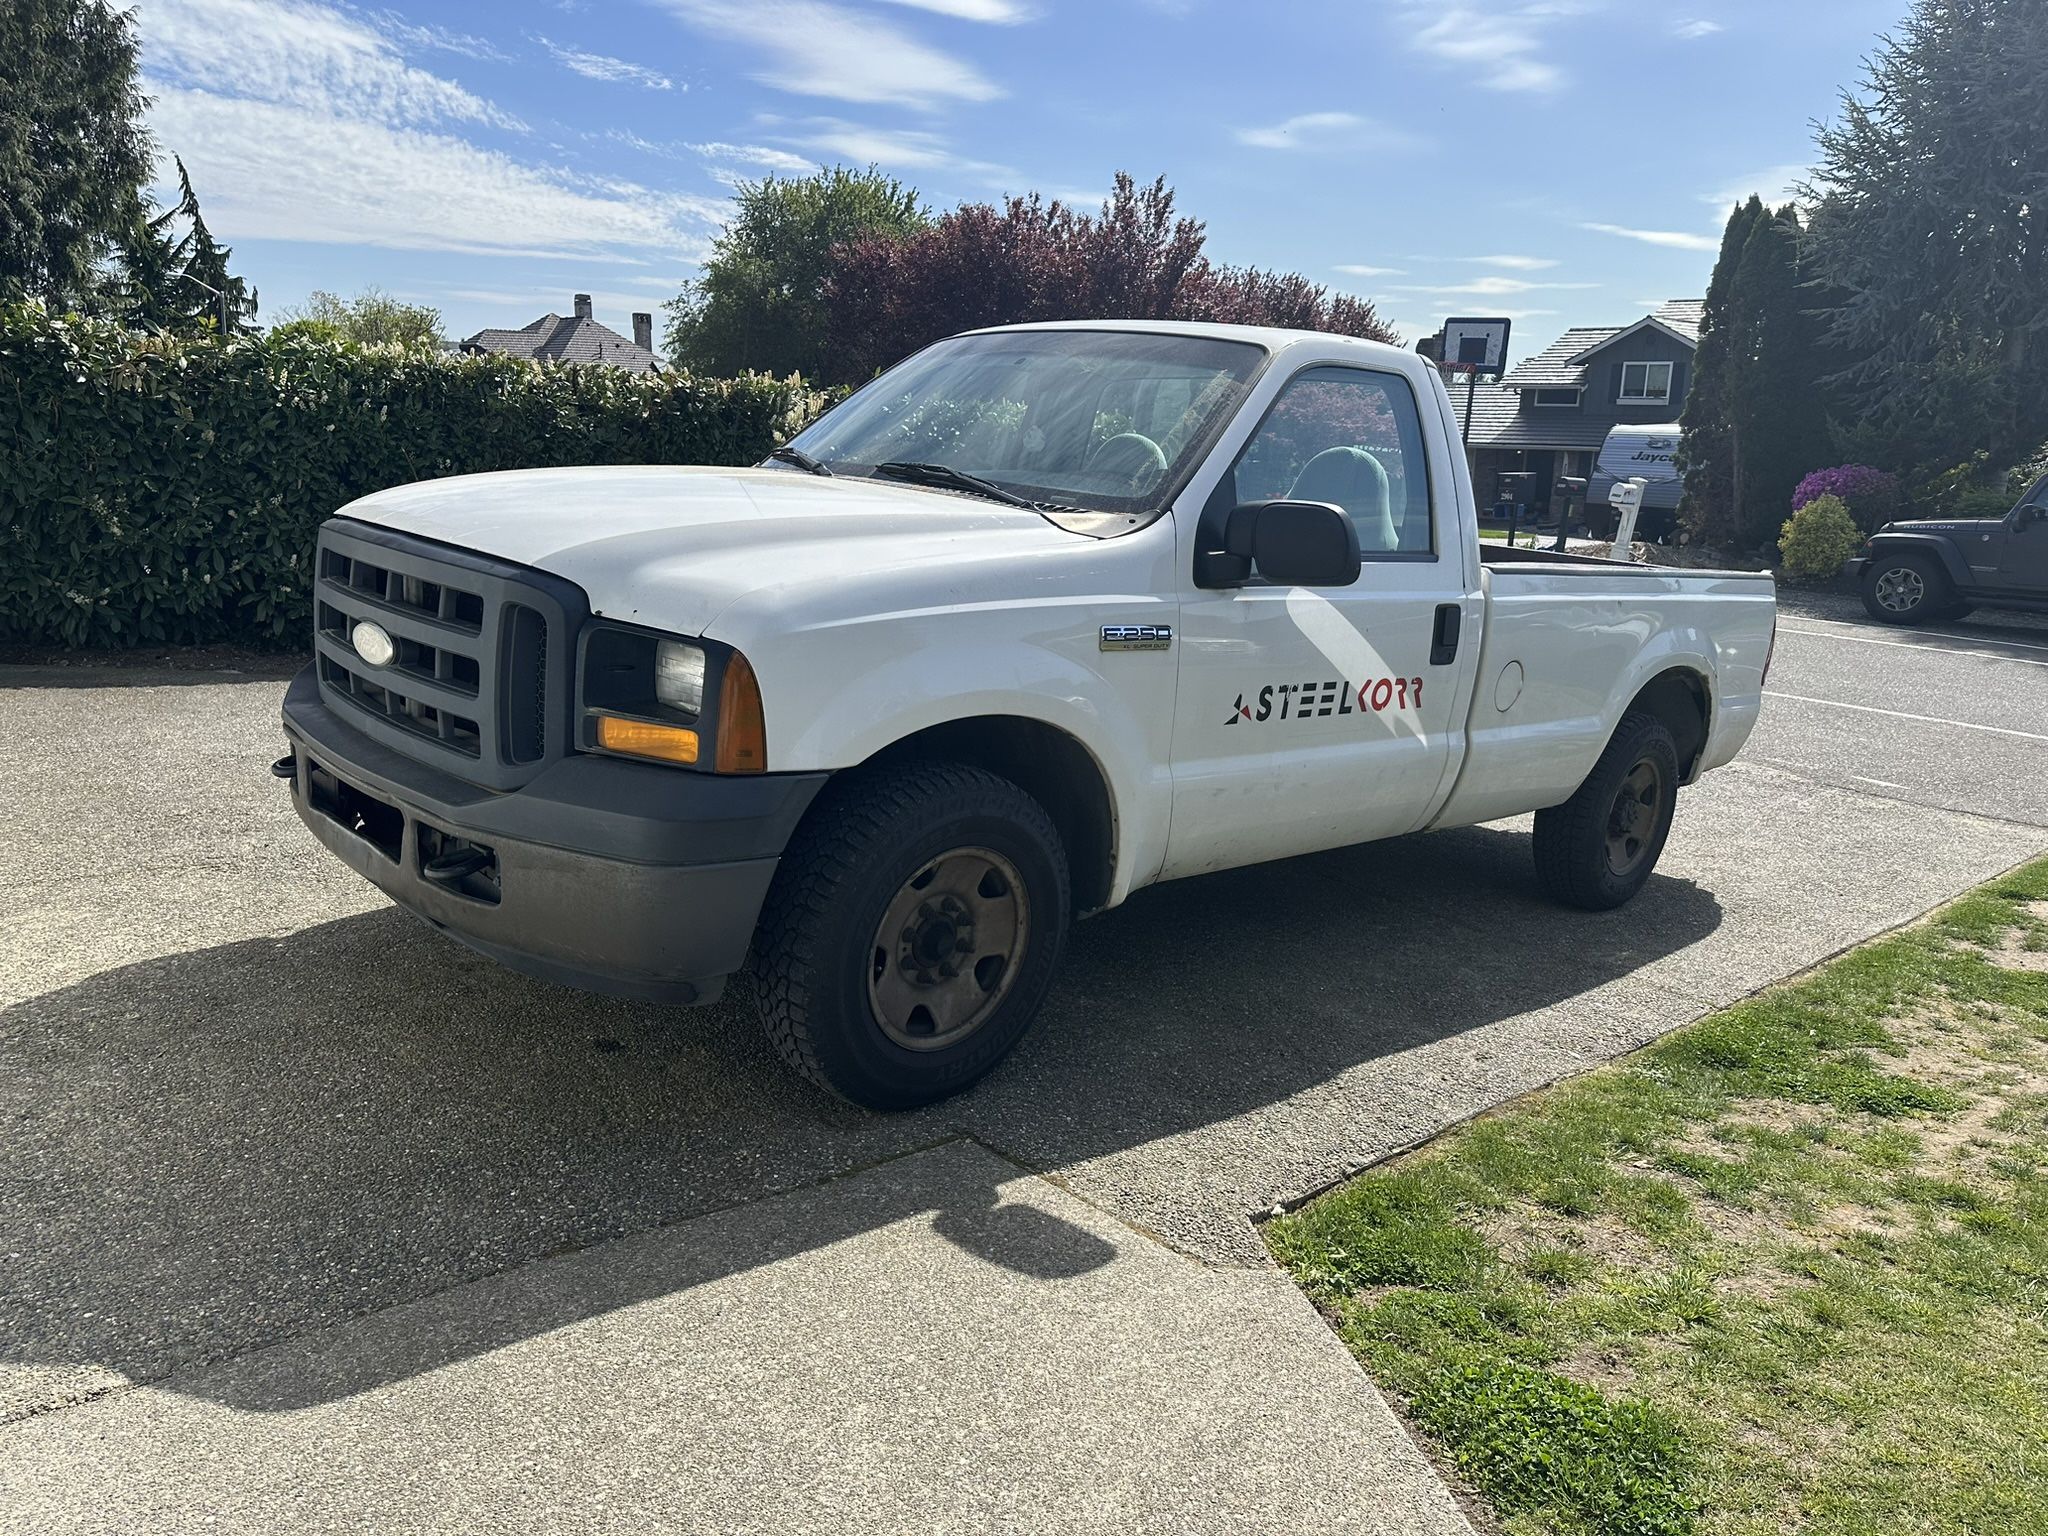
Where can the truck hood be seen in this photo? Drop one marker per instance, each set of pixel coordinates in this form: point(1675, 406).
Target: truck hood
point(1944, 525)
point(674, 547)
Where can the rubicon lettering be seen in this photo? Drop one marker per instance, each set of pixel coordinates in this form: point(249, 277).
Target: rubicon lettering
point(1335, 697)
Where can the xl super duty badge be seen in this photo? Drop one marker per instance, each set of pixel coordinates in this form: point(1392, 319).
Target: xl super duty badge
point(1137, 637)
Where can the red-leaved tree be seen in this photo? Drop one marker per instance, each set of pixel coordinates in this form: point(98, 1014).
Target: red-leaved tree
point(1036, 260)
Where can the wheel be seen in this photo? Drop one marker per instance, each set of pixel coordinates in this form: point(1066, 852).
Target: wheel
point(911, 932)
point(1596, 850)
point(1905, 589)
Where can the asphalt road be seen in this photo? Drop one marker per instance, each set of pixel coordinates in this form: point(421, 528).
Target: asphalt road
point(273, 1148)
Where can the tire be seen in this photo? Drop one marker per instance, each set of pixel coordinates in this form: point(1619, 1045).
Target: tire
point(932, 886)
point(1958, 610)
point(1596, 850)
point(1906, 588)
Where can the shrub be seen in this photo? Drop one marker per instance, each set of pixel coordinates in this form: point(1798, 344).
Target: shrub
point(1873, 497)
point(1818, 538)
point(166, 490)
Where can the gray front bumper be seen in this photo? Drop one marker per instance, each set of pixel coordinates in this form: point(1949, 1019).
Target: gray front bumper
point(611, 876)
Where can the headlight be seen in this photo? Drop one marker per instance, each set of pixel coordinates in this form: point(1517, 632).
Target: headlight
point(679, 676)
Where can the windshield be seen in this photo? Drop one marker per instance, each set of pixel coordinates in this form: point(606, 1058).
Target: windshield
point(1093, 421)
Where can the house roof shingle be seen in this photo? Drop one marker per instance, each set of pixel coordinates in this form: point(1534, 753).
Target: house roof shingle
point(1552, 368)
point(1561, 365)
point(566, 339)
point(1499, 420)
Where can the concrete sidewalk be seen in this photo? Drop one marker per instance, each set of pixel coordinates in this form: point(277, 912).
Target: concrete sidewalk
point(940, 1343)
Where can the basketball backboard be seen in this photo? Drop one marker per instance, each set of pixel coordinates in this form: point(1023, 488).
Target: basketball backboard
point(1478, 345)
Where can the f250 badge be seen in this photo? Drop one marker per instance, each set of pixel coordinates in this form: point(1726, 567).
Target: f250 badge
point(1137, 637)
point(1303, 701)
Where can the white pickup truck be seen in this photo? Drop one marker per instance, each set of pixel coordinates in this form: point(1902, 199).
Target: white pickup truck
point(1038, 618)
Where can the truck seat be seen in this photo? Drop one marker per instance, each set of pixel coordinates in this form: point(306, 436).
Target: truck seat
point(1352, 479)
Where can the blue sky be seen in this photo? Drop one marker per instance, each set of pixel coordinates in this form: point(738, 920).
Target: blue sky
point(1565, 162)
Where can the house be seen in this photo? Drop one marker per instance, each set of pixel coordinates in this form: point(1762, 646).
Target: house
point(1550, 413)
point(576, 338)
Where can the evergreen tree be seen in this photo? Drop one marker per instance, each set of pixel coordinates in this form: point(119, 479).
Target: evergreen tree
point(1931, 217)
point(73, 152)
point(1707, 444)
point(1777, 407)
point(1755, 418)
point(178, 282)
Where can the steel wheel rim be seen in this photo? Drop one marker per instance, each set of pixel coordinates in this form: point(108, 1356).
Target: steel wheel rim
point(1900, 589)
point(947, 950)
point(1633, 819)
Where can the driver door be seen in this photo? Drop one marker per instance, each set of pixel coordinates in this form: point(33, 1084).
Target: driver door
point(1313, 718)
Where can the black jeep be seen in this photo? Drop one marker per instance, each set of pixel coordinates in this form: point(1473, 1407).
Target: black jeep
point(1916, 573)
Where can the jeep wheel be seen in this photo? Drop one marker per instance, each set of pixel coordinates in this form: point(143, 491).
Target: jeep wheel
point(1904, 589)
point(1596, 850)
point(911, 933)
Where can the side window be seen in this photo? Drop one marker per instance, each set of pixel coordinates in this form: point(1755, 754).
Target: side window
point(1353, 438)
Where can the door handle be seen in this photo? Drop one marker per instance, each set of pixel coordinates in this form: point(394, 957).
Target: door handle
point(1443, 640)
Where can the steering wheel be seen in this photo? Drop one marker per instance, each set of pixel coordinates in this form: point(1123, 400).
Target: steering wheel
point(1131, 456)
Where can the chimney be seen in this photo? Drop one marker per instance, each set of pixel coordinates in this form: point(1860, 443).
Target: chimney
point(582, 306)
point(643, 331)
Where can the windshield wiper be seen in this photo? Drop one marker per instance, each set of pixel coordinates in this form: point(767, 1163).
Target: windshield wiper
point(954, 479)
point(800, 459)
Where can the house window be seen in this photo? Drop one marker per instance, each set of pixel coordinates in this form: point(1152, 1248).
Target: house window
point(1568, 397)
point(1645, 384)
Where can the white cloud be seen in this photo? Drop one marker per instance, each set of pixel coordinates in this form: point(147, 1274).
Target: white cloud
point(467, 44)
point(911, 149)
point(1352, 269)
point(1510, 263)
point(814, 48)
point(1491, 287)
point(310, 57)
point(1325, 131)
point(1005, 13)
point(1692, 31)
point(760, 155)
point(1775, 184)
point(1677, 240)
point(300, 121)
point(1494, 50)
point(600, 66)
point(281, 172)
point(715, 156)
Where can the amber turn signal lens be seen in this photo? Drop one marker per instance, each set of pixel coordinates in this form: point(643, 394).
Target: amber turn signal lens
point(643, 738)
point(742, 733)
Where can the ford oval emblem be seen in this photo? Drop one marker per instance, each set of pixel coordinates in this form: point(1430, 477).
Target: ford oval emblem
point(372, 643)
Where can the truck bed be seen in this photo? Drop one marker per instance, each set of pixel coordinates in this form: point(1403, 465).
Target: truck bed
point(1568, 642)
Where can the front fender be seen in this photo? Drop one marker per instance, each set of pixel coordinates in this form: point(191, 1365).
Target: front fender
point(837, 718)
point(1944, 550)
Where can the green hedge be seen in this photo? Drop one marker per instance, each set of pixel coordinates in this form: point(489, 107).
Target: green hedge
point(166, 490)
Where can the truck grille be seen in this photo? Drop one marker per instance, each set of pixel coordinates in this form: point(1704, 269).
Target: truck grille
point(475, 684)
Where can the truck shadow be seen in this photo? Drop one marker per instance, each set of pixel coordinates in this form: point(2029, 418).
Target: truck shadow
point(236, 1146)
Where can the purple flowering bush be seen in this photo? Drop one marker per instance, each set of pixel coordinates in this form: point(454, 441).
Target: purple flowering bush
point(1872, 496)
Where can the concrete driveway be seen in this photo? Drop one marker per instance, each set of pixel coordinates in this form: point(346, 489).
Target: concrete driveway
point(307, 1213)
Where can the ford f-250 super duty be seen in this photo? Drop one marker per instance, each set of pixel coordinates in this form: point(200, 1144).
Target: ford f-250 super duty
point(1039, 617)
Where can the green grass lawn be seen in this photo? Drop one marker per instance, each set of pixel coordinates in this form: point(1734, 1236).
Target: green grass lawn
point(1785, 1270)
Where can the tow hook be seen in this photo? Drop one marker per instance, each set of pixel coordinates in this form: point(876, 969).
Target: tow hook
point(286, 767)
point(450, 868)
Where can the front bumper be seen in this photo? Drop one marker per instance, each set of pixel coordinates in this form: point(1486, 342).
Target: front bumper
point(612, 876)
point(1855, 567)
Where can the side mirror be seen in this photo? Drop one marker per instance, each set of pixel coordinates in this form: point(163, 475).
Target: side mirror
point(1294, 543)
point(2027, 516)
